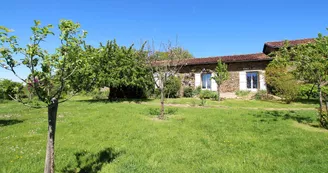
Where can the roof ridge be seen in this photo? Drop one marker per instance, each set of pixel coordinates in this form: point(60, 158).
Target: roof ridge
point(248, 54)
point(303, 39)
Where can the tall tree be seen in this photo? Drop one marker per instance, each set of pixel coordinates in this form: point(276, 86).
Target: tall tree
point(163, 63)
point(122, 69)
point(220, 75)
point(43, 66)
point(309, 63)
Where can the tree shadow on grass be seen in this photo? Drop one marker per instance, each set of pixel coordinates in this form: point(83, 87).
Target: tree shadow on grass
point(10, 122)
point(87, 162)
point(307, 101)
point(284, 115)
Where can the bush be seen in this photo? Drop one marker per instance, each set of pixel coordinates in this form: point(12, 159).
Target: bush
point(242, 93)
point(197, 91)
point(14, 89)
point(167, 111)
point(261, 95)
point(188, 92)
point(100, 95)
point(172, 87)
point(207, 94)
point(309, 91)
point(287, 88)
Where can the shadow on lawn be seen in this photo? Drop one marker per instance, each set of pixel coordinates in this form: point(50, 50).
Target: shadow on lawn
point(9, 122)
point(87, 162)
point(307, 101)
point(138, 101)
point(284, 115)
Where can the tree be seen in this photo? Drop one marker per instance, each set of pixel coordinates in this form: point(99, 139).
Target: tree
point(164, 63)
point(220, 75)
point(309, 64)
point(48, 72)
point(281, 81)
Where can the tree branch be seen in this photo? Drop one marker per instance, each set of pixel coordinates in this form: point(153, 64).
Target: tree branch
point(24, 103)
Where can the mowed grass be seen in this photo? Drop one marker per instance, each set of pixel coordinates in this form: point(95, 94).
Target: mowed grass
point(239, 103)
point(191, 140)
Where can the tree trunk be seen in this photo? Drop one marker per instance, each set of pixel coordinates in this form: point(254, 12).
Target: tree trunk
point(320, 98)
point(161, 116)
point(219, 93)
point(50, 153)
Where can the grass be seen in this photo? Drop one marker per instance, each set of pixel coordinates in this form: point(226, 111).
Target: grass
point(122, 137)
point(236, 103)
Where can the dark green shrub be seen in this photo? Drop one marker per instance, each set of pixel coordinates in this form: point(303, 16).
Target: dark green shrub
point(324, 120)
point(167, 111)
point(207, 94)
point(188, 92)
point(197, 91)
point(14, 89)
point(310, 91)
point(172, 87)
point(242, 93)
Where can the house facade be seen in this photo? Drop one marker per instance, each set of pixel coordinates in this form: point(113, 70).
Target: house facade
point(246, 72)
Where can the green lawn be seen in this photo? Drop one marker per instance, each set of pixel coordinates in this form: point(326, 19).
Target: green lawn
point(238, 103)
point(124, 137)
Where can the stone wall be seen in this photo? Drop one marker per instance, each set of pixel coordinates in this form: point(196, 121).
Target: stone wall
point(232, 84)
point(187, 73)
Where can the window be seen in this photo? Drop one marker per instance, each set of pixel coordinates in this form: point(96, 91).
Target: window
point(252, 80)
point(206, 81)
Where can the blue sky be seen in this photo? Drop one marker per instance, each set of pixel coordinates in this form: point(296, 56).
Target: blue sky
point(204, 27)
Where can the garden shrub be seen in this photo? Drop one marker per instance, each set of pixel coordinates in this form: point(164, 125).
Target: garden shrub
point(167, 111)
point(172, 87)
point(207, 94)
point(309, 91)
point(100, 95)
point(261, 95)
point(188, 92)
point(324, 120)
point(8, 87)
point(197, 91)
point(242, 93)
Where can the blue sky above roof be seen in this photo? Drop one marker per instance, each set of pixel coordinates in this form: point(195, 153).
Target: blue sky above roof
point(205, 28)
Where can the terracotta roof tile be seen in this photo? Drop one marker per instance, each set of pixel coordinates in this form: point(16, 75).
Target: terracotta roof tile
point(229, 58)
point(277, 44)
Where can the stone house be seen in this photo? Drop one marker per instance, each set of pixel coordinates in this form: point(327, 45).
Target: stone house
point(246, 72)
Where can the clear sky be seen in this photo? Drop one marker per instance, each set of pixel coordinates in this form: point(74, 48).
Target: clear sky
point(204, 27)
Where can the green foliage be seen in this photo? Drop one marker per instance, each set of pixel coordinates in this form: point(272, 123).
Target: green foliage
point(207, 94)
point(90, 162)
point(197, 91)
point(121, 68)
point(100, 95)
point(188, 92)
point(156, 111)
point(8, 87)
point(307, 62)
point(242, 93)
point(221, 73)
point(172, 87)
point(310, 91)
point(49, 73)
point(323, 119)
point(281, 81)
point(261, 95)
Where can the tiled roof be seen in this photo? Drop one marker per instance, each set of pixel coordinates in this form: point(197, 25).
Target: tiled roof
point(229, 58)
point(277, 44)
